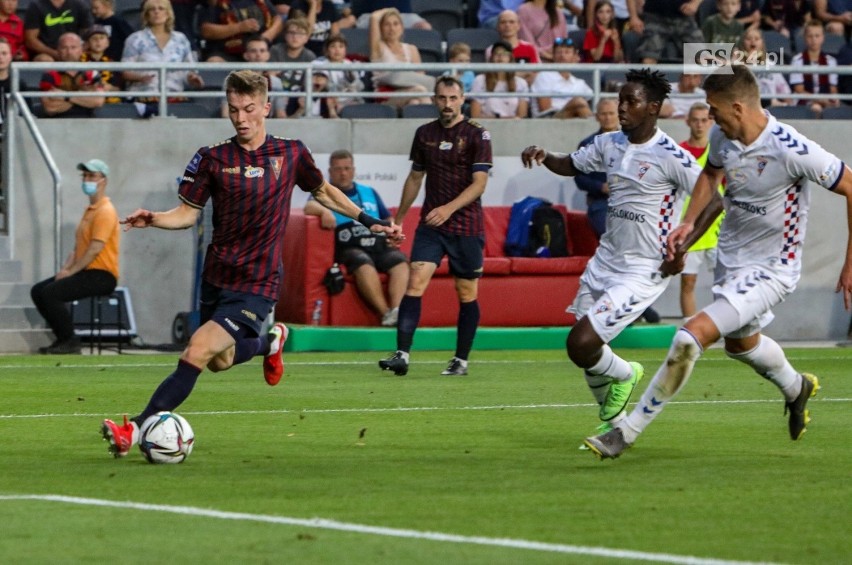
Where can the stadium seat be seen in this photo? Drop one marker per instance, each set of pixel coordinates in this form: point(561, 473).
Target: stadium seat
point(428, 41)
point(357, 41)
point(479, 40)
point(792, 112)
point(133, 16)
point(213, 79)
point(577, 36)
point(442, 15)
point(422, 111)
point(842, 112)
point(117, 111)
point(368, 111)
point(777, 43)
point(190, 110)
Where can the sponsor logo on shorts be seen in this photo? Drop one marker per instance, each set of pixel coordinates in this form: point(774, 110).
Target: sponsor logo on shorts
point(250, 315)
point(231, 170)
point(445, 145)
point(605, 306)
point(233, 325)
point(253, 172)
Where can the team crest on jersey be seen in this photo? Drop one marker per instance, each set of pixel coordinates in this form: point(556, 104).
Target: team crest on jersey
point(445, 145)
point(761, 164)
point(644, 167)
point(276, 163)
point(253, 172)
point(192, 166)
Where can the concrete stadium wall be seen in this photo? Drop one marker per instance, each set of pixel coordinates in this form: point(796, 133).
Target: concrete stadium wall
point(146, 157)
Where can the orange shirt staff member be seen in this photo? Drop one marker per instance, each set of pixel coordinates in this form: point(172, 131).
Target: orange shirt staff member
point(90, 270)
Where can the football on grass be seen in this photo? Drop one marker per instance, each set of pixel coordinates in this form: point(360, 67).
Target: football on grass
point(166, 438)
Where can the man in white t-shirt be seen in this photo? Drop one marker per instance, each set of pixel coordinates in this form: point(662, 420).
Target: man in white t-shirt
point(767, 165)
point(647, 174)
point(685, 92)
point(568, 94)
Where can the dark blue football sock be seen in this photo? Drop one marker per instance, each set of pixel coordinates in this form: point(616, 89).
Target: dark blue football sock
point(409, 317)
point(248, 347)
point(467, 325)
point(172, 392)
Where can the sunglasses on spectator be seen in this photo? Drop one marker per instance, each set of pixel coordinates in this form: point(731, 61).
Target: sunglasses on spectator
point(564, 42)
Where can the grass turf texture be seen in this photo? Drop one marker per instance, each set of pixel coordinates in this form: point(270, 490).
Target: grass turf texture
point(492, 455)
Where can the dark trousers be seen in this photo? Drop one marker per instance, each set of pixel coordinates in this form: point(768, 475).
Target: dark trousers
point(51, 297)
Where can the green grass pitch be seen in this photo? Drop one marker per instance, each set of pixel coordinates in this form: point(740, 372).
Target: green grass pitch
point(342, 463)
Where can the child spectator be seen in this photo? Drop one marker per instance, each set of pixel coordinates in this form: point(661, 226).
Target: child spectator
point(602, 43)
point(341, 81)
point(460, 53)
point(117, 28)
point(814, 83)
point(753, 48)
point(499, 81)
point(325, 19)
point(322, 107)
point(723, 27)
point(784, 16)
point(12, 29)
point(293, 50)
point(96, 43)
point(541, 23)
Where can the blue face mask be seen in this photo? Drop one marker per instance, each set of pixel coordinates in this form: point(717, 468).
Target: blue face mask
point(90, 187)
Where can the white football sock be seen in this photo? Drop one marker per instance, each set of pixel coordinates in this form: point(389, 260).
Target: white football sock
point(769, 361)
point(611, 365)
point(669, 379)
point(599, 385)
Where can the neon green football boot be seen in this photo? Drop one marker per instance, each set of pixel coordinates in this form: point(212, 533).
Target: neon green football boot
point(619, 394)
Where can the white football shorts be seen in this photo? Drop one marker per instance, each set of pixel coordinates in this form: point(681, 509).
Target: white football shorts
point(698, 261)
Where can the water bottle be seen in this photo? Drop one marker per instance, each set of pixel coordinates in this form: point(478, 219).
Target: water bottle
point(316, 317)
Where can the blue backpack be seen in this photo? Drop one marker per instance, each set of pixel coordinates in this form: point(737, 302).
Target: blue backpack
point(520, 220)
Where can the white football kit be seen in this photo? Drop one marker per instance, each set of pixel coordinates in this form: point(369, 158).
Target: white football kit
point(647, 184)
point(766, 200)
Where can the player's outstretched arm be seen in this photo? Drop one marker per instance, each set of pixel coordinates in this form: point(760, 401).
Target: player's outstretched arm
point(181, 217)
point(559, 163)
point(333, 198)
point(844, 283)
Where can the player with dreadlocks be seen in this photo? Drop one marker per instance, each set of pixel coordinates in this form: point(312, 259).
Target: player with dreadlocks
point(647, 173)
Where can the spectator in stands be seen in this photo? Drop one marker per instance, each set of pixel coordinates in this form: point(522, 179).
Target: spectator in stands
point(489, 11)
point(226, 24)
point(622, 15)
point(293, 50)
point(386, 46)
point(723, 26)
point(499, 81)
point(92, 267)
point(460, 53)
point(256, 50)
point(94, 50)
point(785, 16)
point(46, 21)
point(749, 13)
point(339, 80)
point(541, 23)
point(771, 84)
point(835, 14)
point(12, 29)
point(325, 20)
point(602, 43)
point(685, 92)
point(365, 9)
point(158, 42)
point(117, 28)
point(594, 184)
point(665, 24)
point(70, 48)
point(568, 94)
point(814, 83)
point(322, 106)
point(5, 80)
point(509, 26)
point(363, 257)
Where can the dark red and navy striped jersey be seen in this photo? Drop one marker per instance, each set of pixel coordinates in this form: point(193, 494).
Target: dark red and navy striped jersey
point(251, 193)
point(450, 156)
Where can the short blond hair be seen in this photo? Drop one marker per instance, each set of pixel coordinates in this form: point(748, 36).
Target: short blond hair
point(245, 82)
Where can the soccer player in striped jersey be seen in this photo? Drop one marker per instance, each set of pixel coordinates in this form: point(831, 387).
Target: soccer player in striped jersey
point(647, 174)
point(250, 178)
point(454, 155)
point(767, 165)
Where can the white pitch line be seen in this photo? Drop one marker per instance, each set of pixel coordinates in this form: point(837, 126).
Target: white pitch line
point(402, 409)
point(324, 524)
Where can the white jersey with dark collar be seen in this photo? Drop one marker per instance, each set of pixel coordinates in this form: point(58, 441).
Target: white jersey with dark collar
point(647, 184)
point(767, 195)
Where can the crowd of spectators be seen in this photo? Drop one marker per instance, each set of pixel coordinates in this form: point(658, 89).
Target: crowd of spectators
point(527, 31)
